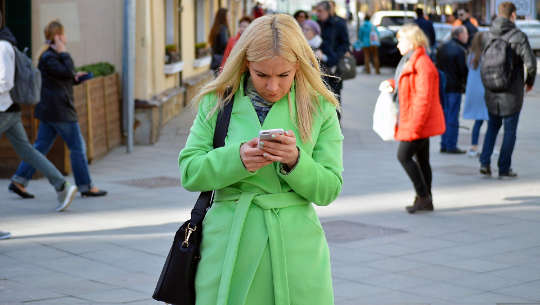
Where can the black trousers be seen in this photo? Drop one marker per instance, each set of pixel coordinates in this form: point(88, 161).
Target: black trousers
point(418, 169)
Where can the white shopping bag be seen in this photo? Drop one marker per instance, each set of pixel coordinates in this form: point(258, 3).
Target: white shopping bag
point(385, 116)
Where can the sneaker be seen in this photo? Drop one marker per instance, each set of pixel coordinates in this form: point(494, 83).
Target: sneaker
point(455, 151)
point(4, 235)
point(485, 170)
point(509, 175)
point(472, 153)
point(65, 197)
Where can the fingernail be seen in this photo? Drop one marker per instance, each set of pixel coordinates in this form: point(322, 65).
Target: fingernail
point(265, 155)
point(273, 135)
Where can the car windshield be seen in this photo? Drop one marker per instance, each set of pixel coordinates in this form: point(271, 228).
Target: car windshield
point(395, 20)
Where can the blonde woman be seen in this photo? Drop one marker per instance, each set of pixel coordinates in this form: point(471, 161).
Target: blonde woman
point(420, 113)
point(263, 242)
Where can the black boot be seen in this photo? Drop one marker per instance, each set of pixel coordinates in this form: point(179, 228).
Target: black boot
point(420, 204)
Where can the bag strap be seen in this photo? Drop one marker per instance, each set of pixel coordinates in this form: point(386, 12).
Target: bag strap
point(220, 132)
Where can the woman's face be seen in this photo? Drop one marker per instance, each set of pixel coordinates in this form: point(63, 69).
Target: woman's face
point(272, 77)
point(242, 27)
point(404, 45)
point(308, 32)
point(301, 18)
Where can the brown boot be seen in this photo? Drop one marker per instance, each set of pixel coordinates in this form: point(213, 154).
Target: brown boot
point(420, 204)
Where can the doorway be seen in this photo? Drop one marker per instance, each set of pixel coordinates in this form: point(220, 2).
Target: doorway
point(17, 17)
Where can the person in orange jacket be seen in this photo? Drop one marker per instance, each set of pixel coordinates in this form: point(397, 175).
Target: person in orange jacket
point(416, 86)
point(243, 23)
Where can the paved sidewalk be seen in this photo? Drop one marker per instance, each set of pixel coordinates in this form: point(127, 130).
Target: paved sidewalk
point(480, 246)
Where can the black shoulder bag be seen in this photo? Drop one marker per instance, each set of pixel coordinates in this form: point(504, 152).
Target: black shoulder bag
point(176, 284)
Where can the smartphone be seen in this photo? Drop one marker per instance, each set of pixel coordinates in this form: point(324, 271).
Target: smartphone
point(266, 135)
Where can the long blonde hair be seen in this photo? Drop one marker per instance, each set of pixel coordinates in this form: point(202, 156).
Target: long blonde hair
point(266, 37)
point(52, 29)
point(476, 49)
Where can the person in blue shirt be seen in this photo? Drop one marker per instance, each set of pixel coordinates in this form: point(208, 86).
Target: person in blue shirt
point(369, 42)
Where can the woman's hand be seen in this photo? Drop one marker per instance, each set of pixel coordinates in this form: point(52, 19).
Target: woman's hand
point(319, 54)
point(386, 86)
point(282, 149)
point(252, 156)
point(80, 74)
point(58, 45)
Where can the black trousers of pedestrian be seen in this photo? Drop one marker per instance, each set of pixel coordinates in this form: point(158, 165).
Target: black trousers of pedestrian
point(418, 169)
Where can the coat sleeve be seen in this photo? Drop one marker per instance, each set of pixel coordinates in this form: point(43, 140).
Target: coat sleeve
point(202, 167)
point(343, 44)
point(317, 177)
point(529, 60)
point(463, 70)
point(422, 99)
point(60, 67)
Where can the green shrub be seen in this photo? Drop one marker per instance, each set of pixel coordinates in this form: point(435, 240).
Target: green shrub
point(98, 69)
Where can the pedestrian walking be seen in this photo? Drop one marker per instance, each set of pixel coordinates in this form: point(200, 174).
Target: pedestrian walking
point(11, 125)
point(56, 111)
point(504, 105)
point(475, 104)
point(335, 44)
point(451, 59)
point(369, 41)
point(426, 26)
point(218, 39)
point(243, 23)
point(258, 10)
point(416, 86)
point(262, 240)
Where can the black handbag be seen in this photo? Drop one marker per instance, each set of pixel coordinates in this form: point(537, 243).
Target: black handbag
point(176, 284)
point(346, 67)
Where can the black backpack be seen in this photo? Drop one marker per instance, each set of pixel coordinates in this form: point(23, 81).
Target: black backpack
point(497, 63)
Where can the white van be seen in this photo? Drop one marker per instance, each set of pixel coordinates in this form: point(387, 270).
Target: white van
point(392, 19)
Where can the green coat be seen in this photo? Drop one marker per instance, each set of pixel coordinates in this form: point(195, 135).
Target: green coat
point(263, 242)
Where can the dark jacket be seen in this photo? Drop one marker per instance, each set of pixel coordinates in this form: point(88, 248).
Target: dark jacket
point(220, 41)
point(510, 102)
point(427, 28)
point(451, 59)
point(471, 30)
point(5, 34)
point(57, 74)
point(335, 38)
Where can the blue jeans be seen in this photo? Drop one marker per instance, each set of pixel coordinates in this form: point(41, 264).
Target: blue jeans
point(451, 107)
point(509, 140)
point(476, 131)
point(11, 125)
point(71, 134)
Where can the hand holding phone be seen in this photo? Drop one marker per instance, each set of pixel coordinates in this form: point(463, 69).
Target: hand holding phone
point(281, 148)
point(269, 135)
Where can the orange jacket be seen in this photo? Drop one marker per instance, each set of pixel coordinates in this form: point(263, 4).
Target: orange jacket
point(420, 111)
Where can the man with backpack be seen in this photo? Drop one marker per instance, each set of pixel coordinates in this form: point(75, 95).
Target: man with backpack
point(11, 124)
point(506, 51)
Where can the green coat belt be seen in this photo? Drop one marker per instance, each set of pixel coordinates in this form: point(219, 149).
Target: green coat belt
point(262, 240)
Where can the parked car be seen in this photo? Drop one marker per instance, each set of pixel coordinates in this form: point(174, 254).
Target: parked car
point(392, 20)
point(388, 52)
point(532, 29)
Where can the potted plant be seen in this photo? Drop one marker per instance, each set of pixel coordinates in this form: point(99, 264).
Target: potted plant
point(201, 50)
point(171, 54)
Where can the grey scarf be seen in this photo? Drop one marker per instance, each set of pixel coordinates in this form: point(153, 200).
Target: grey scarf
point(262, 107)
point(399, 71)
